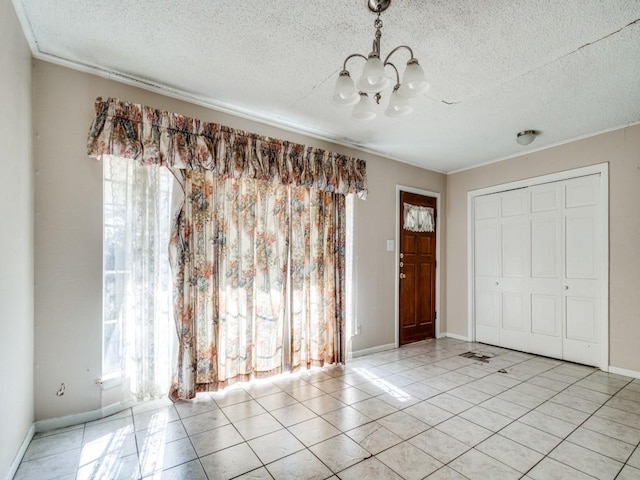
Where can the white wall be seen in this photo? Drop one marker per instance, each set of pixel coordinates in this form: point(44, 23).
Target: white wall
point(16, 239)
point(621, 149)
point(69, 233)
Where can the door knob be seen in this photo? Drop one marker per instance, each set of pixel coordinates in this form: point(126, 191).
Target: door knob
point(566, 287)
point(497, 283)
point(402, 276)
point(401, 264)
point(402, 255)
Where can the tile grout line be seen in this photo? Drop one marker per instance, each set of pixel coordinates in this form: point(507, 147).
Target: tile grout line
point(435, 355)
point(566, 438)
point(287, 429)
point(191, 441)
point(497, 432)
point(514, 420)
point(433, 426)
point(456, 415)
point(451, 370)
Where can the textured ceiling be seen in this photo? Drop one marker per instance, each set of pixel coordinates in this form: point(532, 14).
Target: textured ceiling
point(566, 68)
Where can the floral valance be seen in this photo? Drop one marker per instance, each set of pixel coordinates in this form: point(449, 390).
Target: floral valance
point(155, 137)
point(418, 219)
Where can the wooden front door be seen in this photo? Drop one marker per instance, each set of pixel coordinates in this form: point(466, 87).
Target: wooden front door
point(417, 291)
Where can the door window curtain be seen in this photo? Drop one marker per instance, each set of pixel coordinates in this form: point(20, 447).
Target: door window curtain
point(418, 218)
point(259, 215)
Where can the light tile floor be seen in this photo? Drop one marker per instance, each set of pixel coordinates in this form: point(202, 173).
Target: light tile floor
point(421, 411)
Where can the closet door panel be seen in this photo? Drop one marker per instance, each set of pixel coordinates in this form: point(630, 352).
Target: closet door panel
point(581, 283)
point(582, 192)
point(545, 198)
point(545, 246)
point(487, 206)
point(487, 308)
point(546, 270)
point(487, 269)
point(514, 248)
point(546, 315)
point(487, 248)
point(546, 325)
point(581, 318)
point(513, 203)
point(514, 311)
point(516, 321)
point(514, 273)
point(580, 251)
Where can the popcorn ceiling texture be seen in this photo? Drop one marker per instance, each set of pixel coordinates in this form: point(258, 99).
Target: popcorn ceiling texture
point(567, 68)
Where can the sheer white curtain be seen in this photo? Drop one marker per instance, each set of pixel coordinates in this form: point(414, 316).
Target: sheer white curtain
point(139, 332)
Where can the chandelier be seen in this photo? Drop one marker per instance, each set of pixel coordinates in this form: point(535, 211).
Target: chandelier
point(374, 79)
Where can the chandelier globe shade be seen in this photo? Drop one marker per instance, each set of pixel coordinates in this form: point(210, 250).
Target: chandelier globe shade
point(365, 109)
point(398, 106)
point(373, 77)
point(345, 93)
point(413, 82)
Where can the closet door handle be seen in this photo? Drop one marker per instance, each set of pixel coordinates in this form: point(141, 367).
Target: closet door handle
point(566, 287)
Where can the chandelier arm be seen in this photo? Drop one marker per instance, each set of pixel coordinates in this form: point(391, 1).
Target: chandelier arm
point(396, 49)
point(344, 65)
point(397, 73)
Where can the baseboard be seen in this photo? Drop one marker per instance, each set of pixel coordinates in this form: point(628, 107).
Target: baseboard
point(455, 336)
point(78, 418)
point(23, 448)
point(390, 346)
point(369, 351)
point(624, 371)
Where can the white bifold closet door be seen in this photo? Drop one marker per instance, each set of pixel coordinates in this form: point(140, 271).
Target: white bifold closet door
point(537, 278)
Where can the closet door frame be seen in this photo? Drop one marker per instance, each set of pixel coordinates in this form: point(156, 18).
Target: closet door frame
point(603, 170)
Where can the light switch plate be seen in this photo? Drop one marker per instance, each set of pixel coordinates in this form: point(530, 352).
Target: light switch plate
point(390, 246)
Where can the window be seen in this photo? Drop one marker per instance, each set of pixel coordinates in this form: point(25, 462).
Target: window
point(115, 221)
point(138, 330)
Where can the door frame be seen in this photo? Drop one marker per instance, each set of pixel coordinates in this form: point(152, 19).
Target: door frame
point(426, 193)
point(600, 168)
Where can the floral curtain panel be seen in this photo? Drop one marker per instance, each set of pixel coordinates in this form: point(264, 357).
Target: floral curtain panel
point(230, 251)
point(255, 210)
point(318, 230)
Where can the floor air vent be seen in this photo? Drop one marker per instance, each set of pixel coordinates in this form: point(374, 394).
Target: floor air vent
point(476, 356)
